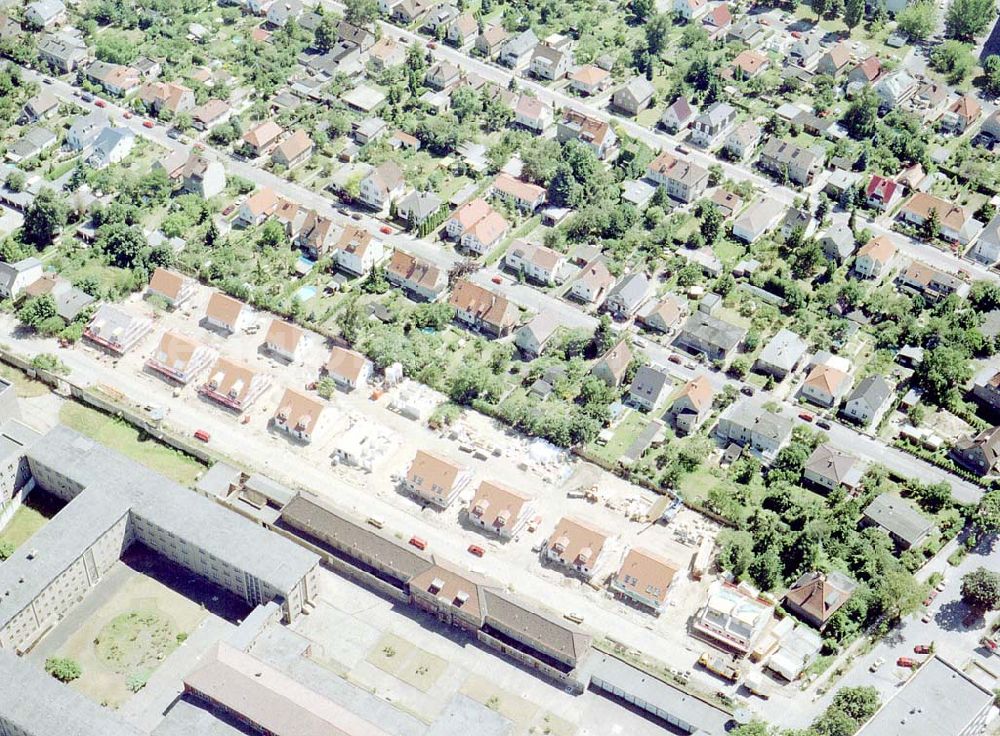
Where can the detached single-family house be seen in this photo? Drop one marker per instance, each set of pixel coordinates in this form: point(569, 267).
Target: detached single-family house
point(869, 400)
point(692, 404)
point(662, 316)
point(213, 113)
point(256, 208)
point(750, 425)
point(116, 330)
point(690, 10)
point(816, 596)
point(612, 366)
point(649, 388)
point(517, 51)
point(895, 88)
point(597, 134)
point(929, 282)
point(532, 113)
point(644, 579)
point(987, 246)
point(523, 195)
point(44, 14)
point(15, 277)
point(829, 468)
point(906, 526)
point(416, 276)
point(285, 340)
point(957, 223)
point(382, 185)
point(116, 79)
point(40, 107)
point(112, 146)
point(743, 140)
point(825, 384)
point(170, 96)
point(172, 287)
point(786, 159)
point(500, 509)
point(261, 139)
point(62, 51)
point(716, 338)
point(874, 258)
point(549, 63)
point(179, 358)
point(782, 354)
point(233, 384)
point(349, 369)
point(838, 243)
point(628, 295)
point(491, 41)
point(835, 61)
point(962, 114)
point(226, 313)
point(298, 414)
point(576, 545)
point(759, 218)
point(203, 177)
point(463, 30)
point(533, 337)
point(712, 124)
point(683, 180)
point(417, 207)
point(589, 79)
point(294, 150)
point(717, 22)
point(980, 453)
point(883, 193)
point(593, 283)
point(678, 115)
point(536, 262)
point(634, 96)
point(483, 310)
point(435, 479)
point(84, 130)
point(358, 251)
point(476, 226)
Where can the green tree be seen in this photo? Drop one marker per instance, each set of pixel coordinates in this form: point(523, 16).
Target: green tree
point(991, 75)
point(43, 219)
point(931, 227)
point(63, 668)
point(16, 180)
point(819, 7)
point(272, 235)
point(943, 368)
point(986, 517)
point(642, 9)
point(859, 703)
point(735, 551)
point(953, 59)
point(121, 244)
point(917, 20)
point(604, 336)
point(361, 12)
point(854, 12)
point(6, 549)
point(326, 387)
point(967, 19)
point(326, 35)
point(981, 589)
point(861, 116)
point(115, 48)
point(657, 31)
point(36, 310)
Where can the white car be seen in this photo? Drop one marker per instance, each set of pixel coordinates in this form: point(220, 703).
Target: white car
point(876, 664)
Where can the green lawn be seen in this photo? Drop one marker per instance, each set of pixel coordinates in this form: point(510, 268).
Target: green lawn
point(29, 518)
point(126, 439)
point(624, 435)
point(26, 388)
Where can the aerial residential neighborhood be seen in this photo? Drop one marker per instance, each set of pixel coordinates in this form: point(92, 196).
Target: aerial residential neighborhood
point(401, 367)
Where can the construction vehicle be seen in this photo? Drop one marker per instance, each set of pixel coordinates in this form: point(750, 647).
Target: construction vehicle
point(754, 682)
point(724, 667)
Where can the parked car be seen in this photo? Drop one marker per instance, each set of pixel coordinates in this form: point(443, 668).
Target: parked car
point(127, 114)
point(229, 210)
point(873, 667)
point(535, 522)
point(906, 662)
point(100, 103)
point(930, 597)
point(497, 280)
point(806, 416)
point(476, 550)
point(87, 97)
point(942, 584)
point(355, 215)
point(385, 230)
point(202, 435)
point(746, 390)
point(675, 358)
point(823, 424)
point(147, 123)
point(418, 542)
point(922, 649)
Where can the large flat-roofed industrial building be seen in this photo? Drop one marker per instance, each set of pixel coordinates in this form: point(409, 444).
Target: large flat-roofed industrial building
point(938, 699)
point(114, 502)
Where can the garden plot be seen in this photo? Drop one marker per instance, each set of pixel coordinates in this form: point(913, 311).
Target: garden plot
point(407, 662)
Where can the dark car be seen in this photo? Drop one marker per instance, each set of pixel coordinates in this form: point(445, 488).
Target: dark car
point(823, 424)
point(746, 390)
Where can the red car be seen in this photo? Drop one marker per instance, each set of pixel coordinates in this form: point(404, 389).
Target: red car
point(418, 542)
point(147, 123)
point(100, 103)
point(497, 280)
point(202, 435)
point(127, 115)
point(432, 44)
point(921, 649)
point(906, 662)
point(385, 230)
point(806, 416)
point(675, 358)
point(229, 210)
point(930, 597)
point(476, 550)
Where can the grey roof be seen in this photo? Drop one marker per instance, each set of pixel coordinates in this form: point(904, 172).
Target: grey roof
point(9, 271)
point(638, 88)
point(750, 414)
point(71, 301)
point(828, 462)
point(14, 438)
point(33, 142)
point(717, 114)
point(217, 479)
point(34, 704)
point(62, 46)
point(108, 138)
point(939, 699)
point(309, 514)
point(991, 233)
point(420, 204)
point(47, 8)
point(784, 350)
point(702, 715)
point(649, 381)
point(116, 485)
point(88, 127)
point(714, 331)
point(838, 242)
point(272, 490)
point(873, 390)
point(896, 516)
point(631, 290)
point(521, 44)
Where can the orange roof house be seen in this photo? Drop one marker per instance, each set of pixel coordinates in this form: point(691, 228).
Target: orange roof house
point(435, 479)
point(298, 414)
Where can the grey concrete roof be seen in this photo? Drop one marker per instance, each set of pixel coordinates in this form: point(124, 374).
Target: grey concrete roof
point(632, 289)
point(897, 516)
point(535, 625)
point(784, 350)
point(660, 694)
point(14, 437)
point(939, 699)
point(649, 381)
point(27, 705)
point(873, 390)
point(714, 331)
point(124, 484)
